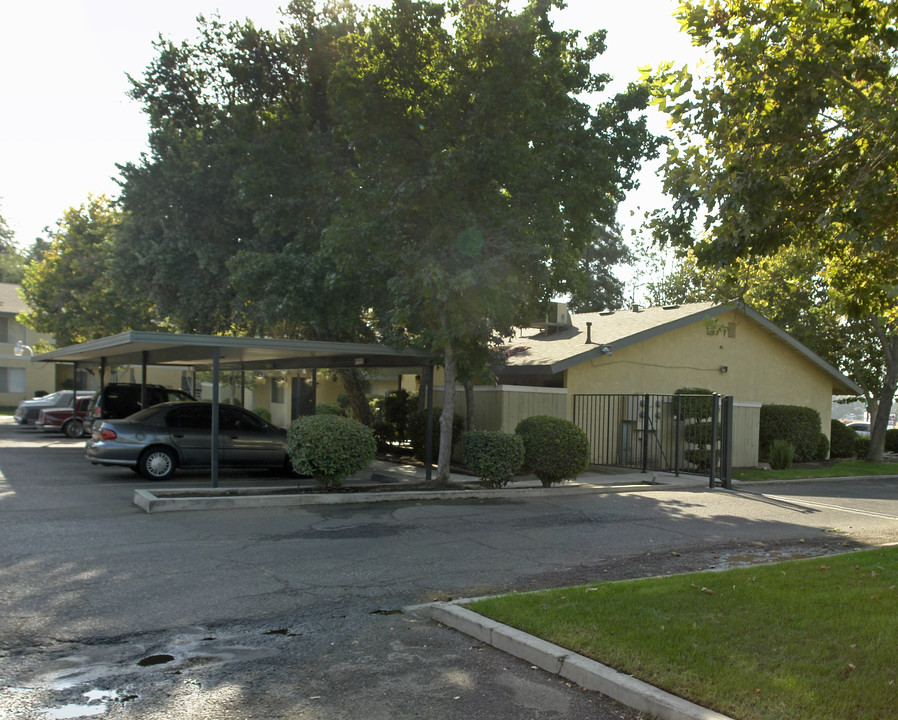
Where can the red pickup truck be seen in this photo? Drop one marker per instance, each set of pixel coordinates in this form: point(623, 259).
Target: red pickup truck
point(62, 419)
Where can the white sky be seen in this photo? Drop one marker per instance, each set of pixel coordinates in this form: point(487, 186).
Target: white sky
point(65, 118)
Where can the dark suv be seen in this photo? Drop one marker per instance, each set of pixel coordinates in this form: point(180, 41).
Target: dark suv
point(119, 400)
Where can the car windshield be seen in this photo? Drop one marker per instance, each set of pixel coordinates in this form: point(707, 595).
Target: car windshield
point(52, 397)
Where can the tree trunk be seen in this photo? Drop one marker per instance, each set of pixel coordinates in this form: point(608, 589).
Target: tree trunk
point(355, 384)
point(879, 422)
point(445, 455)
point(469, 405)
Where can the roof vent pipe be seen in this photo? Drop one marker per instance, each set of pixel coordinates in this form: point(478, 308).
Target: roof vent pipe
point(588, 333)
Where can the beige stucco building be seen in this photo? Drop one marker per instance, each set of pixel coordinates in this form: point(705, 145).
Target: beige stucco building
point(729, 349)
point(19, 377)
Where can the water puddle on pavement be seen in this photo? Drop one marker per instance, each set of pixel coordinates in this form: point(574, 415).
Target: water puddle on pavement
point(97, 704)
point(94, 667)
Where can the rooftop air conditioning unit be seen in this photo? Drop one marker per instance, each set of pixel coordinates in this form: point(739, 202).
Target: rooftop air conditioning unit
point(556, 317)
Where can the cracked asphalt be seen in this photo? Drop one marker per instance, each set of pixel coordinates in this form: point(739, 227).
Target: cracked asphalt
point(297, 612)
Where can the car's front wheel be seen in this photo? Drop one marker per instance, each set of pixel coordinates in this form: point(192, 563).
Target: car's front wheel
point(157, 463)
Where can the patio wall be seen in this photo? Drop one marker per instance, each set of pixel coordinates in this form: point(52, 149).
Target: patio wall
point(502, 407)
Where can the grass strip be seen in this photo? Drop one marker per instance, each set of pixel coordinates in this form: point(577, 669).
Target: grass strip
point(844, 468)
point(799, 639)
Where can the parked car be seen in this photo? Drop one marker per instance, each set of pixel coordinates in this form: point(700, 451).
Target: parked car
point(119, 400)
point(861, 428)
point(28, 410)
point(63, 419)
point(158, 440)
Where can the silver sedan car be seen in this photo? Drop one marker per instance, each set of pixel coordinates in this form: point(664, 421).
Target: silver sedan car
point(158, 440)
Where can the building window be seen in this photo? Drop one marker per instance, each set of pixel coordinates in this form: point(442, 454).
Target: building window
point(11, 331)
point(12, 380)
point(277, 391)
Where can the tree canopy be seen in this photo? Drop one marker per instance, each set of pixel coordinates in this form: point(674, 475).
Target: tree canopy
point(480, 174)
point(70, 290)
point(12, 264)
point(427, 173)
point(788, 137)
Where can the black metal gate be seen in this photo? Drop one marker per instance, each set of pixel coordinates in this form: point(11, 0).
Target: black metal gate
point(667, 433)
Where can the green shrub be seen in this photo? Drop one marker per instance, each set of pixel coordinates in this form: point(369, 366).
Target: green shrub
point(263, 413)
point(329, 447)
point(861, 446)
point(842, 437)
point(891, 441)
point(822, 450)
point(328, 409)
point(494, 457)
point(781, 454)
point(699, 433)
point(699, 458)
point(797, 425)
point(554, 449)
point(417, 430)
point(694, 408)
point(396, 406)
point(384, 434)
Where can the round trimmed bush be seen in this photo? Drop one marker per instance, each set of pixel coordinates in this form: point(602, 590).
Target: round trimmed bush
point(263, 413)
point(842, 437)
point(891, 443)
point(798, 425)
point(329, 447)
point(328, 409)
point(554, 449)
point(494, 456)
point(822, 450)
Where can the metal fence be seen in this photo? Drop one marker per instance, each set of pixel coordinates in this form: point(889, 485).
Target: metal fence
point(667, 433)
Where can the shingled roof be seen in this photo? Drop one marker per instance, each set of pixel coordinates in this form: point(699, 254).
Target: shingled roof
point(538, 353)
point(10, 302)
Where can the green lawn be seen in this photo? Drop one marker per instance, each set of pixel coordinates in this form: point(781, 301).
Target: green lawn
point(799, 639)
point(843, 468)
point(7, 409)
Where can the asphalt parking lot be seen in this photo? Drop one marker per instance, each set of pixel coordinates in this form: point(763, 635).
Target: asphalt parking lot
point(297, 612)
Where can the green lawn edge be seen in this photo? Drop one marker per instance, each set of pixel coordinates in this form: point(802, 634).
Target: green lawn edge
point(843, 468)
point(799, 639)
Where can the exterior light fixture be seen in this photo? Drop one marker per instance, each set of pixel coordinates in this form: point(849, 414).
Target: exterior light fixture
point(20, 349)
point(723, 368)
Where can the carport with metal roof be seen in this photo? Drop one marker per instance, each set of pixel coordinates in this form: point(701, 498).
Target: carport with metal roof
point(217, 353)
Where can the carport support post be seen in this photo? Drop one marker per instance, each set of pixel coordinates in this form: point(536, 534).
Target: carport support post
point(216, 357)
point(143, 379)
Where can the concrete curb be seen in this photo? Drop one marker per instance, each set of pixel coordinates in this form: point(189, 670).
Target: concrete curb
point(587, 673)
point(210, 499)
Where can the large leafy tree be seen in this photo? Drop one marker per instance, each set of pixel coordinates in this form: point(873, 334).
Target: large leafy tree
point(293, 181)
point(70, 290)
point(481, 175)
point(790, 136)
point(12, 264)
point(183, 216)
